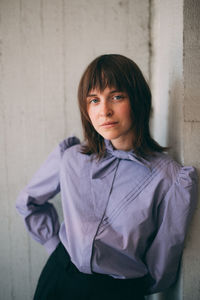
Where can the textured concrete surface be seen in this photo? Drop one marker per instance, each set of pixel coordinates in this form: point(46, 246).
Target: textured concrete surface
point(167, 72)
point(191, 137)
point(192, 60)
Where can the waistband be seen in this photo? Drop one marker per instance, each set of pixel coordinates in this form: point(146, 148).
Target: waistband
point(63, 259)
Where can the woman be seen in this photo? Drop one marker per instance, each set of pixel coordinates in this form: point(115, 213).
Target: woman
point(126, 204)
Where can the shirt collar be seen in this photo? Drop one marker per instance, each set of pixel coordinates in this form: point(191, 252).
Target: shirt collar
point(128, 155)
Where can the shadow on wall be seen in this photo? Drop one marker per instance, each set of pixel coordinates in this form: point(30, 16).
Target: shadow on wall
point(175, 116)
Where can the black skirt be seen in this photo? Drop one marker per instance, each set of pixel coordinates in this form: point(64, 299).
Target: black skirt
point(61, 280)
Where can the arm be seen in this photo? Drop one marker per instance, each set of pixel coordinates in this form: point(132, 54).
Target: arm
point(40, 216)
point(174, 214)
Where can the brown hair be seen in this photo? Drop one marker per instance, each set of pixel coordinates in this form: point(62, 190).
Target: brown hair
point(114, 70)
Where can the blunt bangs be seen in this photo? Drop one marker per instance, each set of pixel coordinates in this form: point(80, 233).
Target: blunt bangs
point(107, 71)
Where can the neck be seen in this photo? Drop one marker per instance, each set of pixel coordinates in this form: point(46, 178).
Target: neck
point(125, 145)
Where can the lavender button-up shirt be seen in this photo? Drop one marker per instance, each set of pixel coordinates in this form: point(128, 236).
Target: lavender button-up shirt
point(124, 216)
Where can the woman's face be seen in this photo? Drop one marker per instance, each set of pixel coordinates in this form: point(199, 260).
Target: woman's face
point(110, 115)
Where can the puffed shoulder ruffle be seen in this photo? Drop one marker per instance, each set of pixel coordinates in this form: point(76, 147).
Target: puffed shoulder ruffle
point(69, 142)
point(187, 176)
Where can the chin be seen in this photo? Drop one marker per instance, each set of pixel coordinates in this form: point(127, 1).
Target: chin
point(109, 136)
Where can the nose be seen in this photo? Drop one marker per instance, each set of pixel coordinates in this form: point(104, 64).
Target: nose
point(105, 109)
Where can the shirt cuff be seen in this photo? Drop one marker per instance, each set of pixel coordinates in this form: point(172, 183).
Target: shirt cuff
point(51, 244)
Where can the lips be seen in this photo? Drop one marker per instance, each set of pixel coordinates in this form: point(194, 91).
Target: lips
point(109, 124)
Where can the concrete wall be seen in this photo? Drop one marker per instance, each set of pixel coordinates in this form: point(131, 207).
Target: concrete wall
point(44, 47)
point(167, 73)
point(191, 138)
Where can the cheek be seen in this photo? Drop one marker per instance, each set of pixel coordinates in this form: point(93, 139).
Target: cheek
point(92, 116)
point(125, 112)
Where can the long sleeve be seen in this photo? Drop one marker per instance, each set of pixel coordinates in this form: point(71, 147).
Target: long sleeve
point(40, 216)
point(174, 214)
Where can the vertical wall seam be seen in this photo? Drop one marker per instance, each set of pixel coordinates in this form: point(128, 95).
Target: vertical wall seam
point(64, 66)
point(5, 151)
point(150, 61)
point(150, 42)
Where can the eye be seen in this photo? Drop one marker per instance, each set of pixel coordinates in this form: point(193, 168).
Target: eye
point(118, 97)
point(93, 100)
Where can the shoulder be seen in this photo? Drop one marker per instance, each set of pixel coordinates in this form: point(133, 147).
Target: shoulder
point(177, 184)
point(72, 155)
point(172, 171)
point(74, 163)
point(68, 143)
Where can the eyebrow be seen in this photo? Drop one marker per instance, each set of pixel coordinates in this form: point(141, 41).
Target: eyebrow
point(112, 92)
